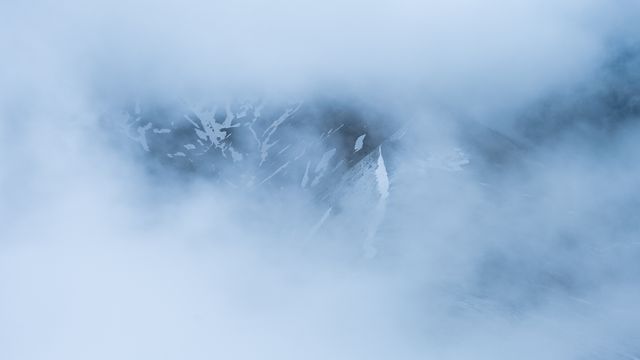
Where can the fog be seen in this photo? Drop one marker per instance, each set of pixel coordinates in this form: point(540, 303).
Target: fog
point(507, 227)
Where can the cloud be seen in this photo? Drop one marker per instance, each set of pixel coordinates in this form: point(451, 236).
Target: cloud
point(523, 248)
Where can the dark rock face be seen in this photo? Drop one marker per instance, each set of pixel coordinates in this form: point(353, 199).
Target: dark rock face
point(250, 143)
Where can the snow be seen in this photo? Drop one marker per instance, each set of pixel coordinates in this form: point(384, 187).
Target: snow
point(236, 156)
point(359, 143)
point(324, 160)
point(305, 178)
point(266, 145)
point(275, 172)
point(382, 177)
point(142, 138)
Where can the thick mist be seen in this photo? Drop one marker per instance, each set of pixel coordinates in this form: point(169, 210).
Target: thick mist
point(499, 219)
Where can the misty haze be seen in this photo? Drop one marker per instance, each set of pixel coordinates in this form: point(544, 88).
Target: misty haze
point(302, 179)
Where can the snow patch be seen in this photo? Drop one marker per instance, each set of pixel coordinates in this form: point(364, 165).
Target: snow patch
point(382, 177)
point(359, 143)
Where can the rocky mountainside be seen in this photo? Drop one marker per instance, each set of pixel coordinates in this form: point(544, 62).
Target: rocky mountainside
point(256, 143)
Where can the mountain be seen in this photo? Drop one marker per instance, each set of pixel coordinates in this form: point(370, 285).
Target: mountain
point(256, 143)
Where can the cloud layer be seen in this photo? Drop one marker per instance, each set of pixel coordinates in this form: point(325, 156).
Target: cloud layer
point(529, 252)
